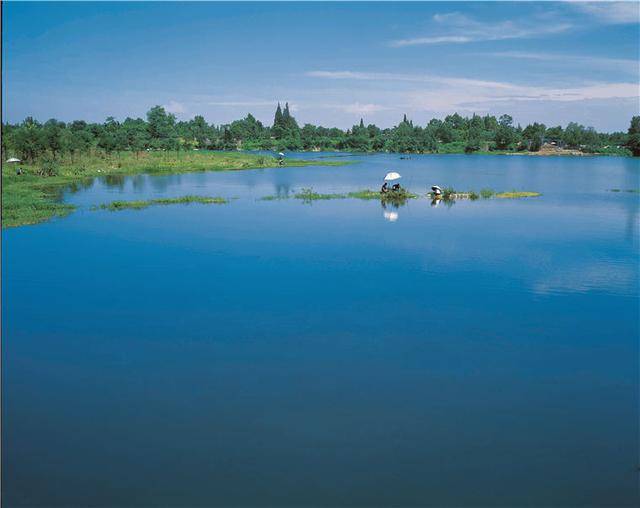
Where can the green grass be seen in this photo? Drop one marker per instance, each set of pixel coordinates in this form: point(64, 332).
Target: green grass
point(140, 204)
point(365, 194)
point(272, 198)
point(30, 198)
point(517, 194)
point(308, 195)
point(29, 205)
point(387, 197)
point(450, 194)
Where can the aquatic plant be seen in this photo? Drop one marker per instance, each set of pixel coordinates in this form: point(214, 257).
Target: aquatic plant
point(307, 194)
point(365, 194)
point(398, 197)
point(486, 193)
point(140, 204)
point(517, 194)
point(448, 193)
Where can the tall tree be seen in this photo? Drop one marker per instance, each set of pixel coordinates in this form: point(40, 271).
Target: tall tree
point(634, 136)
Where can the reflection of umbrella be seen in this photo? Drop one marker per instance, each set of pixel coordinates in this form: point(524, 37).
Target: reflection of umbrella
point(13, 159)
point(391, 216)
point(392, 176)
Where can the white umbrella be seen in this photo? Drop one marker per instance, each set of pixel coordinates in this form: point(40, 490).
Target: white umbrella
point(280, 154)
point(392, 176)
point(13, 159)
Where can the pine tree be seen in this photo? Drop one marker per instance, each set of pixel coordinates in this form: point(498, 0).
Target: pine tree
point(277, 121)
point(279, 130)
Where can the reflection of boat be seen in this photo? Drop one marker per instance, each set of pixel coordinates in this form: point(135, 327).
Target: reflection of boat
point(391, 216)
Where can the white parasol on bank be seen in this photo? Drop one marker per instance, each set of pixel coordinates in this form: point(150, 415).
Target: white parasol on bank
point(13, 159)
point(392, 176)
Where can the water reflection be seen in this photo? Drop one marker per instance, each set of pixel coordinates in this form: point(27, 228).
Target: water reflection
point(390, 216)
point(78, 186)
point(282, 190)
point(114, 181)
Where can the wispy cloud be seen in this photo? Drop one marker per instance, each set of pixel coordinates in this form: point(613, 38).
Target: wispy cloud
point(627, 65)
point(364, 109)
point(175, 107)
point(456, 28)
point(250, 103)
point(443, 93)
point(611, 12)
point(410, 78)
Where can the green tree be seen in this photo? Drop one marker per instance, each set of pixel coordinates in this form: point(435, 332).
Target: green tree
point(533, 136)
point(136, 135)
point(633, 142)
point(505, 135)
point(162, 129)
point(279, 128)
point(28, 140)
point(572, 136)
point(52, 136)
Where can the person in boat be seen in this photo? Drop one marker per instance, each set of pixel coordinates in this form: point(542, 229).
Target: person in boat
point(385, 188)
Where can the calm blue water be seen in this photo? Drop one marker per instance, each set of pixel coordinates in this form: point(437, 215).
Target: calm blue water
point(276, 353)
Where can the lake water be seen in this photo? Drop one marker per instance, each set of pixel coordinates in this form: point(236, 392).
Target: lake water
point(277, 353)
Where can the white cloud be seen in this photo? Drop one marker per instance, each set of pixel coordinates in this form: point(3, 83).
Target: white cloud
point(611, 12)
point(442, 93)
point(628, 65)
point(416, 78)
point(252, 103)
point(364, 109)
point(457, 28)
point(174, 107)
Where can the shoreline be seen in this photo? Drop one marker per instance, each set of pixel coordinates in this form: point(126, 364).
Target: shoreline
point(35, 196)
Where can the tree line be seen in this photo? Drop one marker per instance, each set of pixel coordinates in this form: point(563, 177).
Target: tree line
point(31, 140)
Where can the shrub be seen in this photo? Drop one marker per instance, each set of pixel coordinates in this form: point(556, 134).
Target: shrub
point(49, 167)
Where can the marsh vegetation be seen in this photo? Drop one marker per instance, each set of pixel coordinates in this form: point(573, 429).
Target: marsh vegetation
point(141, 204)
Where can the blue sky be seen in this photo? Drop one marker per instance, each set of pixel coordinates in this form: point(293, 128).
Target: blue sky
point(333, 62)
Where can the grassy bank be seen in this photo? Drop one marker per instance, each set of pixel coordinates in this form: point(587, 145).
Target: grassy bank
point(35, 195)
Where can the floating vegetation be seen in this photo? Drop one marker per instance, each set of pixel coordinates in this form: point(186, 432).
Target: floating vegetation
point(635, 191)
point(365, 194)
point(141, 204)
point(272, 198)
point(308, 195)
point(449, 194)
point(397, 197)
point(517, 194)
